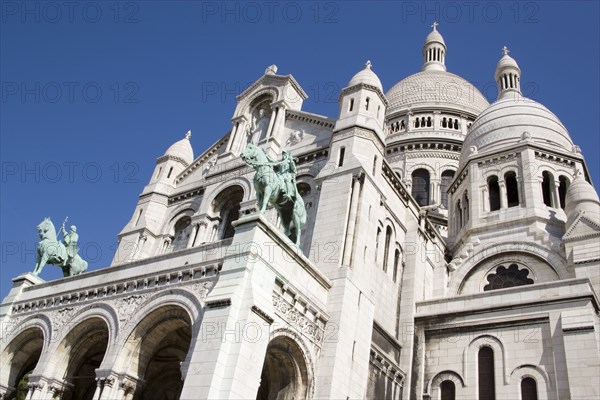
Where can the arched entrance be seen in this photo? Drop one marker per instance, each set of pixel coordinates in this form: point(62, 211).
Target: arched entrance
point(162, 342)
point(18, 360)
point(284, 375)
point(85, 347)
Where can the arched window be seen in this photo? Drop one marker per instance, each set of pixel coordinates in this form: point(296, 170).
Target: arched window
point(562, 190)
point(529, 389)
point(485, 366)
point(444, 124)
point(448, 390)
point(417, 123)
point(367, 104)
point(459, 218)
point(227, 206)
point(456, 124)
point(420, 186)
point(494, 192)
point(428, 121)
point(181, 234)
point(386, 250)
point(447, 177)
point(396, 263)
point(512, 191)
point(547, 187)
point(351, 105)
point(507, 277)
point(402, 126)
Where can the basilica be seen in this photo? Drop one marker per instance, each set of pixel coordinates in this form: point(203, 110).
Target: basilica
point(449, 249)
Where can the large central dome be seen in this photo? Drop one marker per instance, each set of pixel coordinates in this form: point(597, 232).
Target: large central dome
point(435, 89)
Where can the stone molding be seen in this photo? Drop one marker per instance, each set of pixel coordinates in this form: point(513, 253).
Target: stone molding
point(359, 132)
point(312, 119)
point(128, 293)
point(299, 321)
point(170, 157)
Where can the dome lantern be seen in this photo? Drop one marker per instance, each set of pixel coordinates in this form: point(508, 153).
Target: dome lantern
point(434, 51)
point(508, 76)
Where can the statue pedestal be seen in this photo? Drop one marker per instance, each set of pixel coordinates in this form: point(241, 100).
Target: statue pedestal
point(19, 283)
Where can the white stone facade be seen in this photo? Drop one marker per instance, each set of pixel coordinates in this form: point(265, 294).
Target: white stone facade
point(450, 252)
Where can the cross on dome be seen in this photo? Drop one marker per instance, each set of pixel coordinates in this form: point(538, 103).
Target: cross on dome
point(368, 64)
point(505, 50)
point(434, 26)
point(188, 135)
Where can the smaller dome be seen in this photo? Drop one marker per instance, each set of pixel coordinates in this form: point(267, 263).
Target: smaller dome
point(366, 76)
point(506, 62)
point(434, 36)
point(581, 196)
point(182, 149)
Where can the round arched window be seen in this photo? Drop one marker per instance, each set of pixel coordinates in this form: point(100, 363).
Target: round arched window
point(504, 277)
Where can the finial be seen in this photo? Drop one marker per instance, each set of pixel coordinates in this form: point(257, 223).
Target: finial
point(188, 135)
point(271, 70)
point(435, 25)
point(368, 64)
point(505, 51)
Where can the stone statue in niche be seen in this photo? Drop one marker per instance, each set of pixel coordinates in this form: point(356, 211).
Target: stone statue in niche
point(258, 127)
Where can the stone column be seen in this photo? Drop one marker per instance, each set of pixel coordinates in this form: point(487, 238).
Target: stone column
point(502, 191)
point(271, 123)
point(192, 237)
point(348, 247)
point(555, 195)
point(108, 388)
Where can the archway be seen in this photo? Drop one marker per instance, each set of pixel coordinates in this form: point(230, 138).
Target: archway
point(83, 348)
point(284, 375)
point(227, 207)
point(20, 358)
point(161, 341)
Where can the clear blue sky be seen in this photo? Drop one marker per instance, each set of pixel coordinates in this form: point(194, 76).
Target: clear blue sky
point(94, 92)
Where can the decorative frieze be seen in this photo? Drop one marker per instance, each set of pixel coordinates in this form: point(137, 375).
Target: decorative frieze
point(312, 328)
point(125, 288)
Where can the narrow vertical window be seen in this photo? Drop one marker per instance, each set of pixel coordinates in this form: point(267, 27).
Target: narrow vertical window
point(137, 220)
point(386, 250)
point(351, 105)
point(448, 390)
point(367, 104)
point(494, 191)
point(396, 263)
point(512, 191)
point(428, 121)
point(158, 173)
point(377, 239)
point(562, 190)
point(529, 389)
point(485, 364)
point(466, 207)
point(170, 171)
point(378, 110)
point(341, 156)
point(374, 164)
point(447, 177)
point(420, 186)
point(547, 183)
point(459, 220)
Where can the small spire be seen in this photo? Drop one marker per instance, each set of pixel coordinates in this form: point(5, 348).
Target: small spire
point(508, 75)
point(434, 51)
point(368, 64)
point(188, 135)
